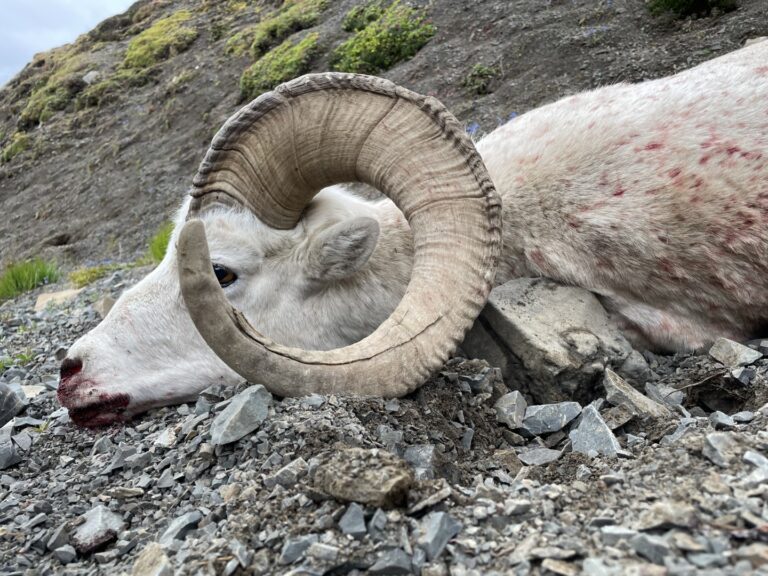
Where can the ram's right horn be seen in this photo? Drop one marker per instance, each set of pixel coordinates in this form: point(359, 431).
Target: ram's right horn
point(321, 129)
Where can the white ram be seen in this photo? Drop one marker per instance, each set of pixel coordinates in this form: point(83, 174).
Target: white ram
point(654, 196)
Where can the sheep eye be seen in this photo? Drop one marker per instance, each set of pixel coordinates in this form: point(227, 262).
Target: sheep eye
point(225, 276)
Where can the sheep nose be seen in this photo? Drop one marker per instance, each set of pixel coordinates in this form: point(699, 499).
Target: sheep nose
point(70, 367)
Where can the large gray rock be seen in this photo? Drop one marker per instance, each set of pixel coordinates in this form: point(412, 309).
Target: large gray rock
point(10, 404)
point(593, 436)
point(295, 548)
point(353, 521)
point(733, 354)
point(510, 409)
point(552, 340)
point(435, 530)
point(242, 415)
point(653, 548)
point(65, 554)
point(9, 453)
point(547, 418)
point(178, 528)
point(101, 527)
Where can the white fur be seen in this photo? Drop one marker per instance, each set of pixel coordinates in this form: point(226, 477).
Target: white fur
point(654, 196)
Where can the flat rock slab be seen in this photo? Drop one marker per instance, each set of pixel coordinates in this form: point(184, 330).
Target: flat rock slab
point(179, 527)
point(539, 456)
point(242, 415)
point(373, 477)
point(391, 563)
point(667, 514)
point(620, 393)
point(101, 527)
point(556, 340)
point(61, 297)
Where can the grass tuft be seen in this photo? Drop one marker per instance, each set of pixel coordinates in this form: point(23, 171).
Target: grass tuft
point(18, 359)
point(278, 65)
point(158, 244)
point(397, 35)
point(25, 276)
point(479, 79)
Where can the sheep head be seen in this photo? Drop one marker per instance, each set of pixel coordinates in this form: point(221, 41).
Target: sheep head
point(276, 153)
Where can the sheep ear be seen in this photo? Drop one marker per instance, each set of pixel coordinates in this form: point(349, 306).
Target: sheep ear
point(342, 249)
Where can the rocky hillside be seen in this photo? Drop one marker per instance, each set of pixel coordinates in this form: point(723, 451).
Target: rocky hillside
point(99, 139)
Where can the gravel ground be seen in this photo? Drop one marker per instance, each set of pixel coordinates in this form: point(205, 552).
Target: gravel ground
point(429, 484)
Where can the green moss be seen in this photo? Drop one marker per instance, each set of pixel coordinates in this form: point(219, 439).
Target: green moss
point(19, 142)
point(84, 276)
point(24, 276)
point(165, 38)
point(397, 35)
point(278, 65)
point(683, 8)
point(479, 79)
point(293, 16)
point(360, 16)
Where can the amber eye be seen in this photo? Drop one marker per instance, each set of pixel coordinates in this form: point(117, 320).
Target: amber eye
point(225, 276)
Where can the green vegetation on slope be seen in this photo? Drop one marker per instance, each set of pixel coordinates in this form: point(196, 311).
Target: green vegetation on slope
point(397, 35)
point(278, 65)
point(293, 16)
point(18, 143)
point(158, 244)
point(107, 90)
point(56, 88)
point(360, 16)
point(24, 276)
point(166, 37)
point(84, 276)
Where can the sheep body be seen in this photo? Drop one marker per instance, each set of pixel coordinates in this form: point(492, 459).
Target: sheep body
point(654, 196)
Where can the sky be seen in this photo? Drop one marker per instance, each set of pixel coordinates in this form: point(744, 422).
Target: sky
point(31, 26)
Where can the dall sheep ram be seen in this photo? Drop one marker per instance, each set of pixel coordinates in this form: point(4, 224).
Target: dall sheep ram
point(654, 196)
